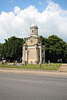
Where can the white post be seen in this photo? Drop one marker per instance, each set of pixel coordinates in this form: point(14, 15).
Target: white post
point(24, 53)
point(44, 54)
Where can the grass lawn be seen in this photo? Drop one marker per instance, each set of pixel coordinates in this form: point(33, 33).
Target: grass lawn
point(51, 66)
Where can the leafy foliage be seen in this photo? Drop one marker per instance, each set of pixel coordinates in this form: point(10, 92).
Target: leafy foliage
point(1, 51)
point(55, 48)
point(12, 48)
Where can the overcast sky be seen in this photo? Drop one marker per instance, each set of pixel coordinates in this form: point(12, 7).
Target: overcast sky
point(16, 17)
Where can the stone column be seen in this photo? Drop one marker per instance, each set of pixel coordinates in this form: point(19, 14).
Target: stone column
point(27, 55)
point(35, 53)
point(40, 54)
point(44, 54)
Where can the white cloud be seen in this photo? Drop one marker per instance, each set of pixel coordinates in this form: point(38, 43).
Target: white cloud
point(40, 3)
point(16, 9)
point(49, 1)
point(53, 20)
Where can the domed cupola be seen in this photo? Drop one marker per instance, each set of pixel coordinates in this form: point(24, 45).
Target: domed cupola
point(34, 30)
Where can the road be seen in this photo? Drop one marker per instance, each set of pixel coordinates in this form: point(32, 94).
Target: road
point(15, 86)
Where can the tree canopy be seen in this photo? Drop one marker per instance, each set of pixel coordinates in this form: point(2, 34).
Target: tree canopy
point(12, 48)
point(55, 48)
point(1, 51)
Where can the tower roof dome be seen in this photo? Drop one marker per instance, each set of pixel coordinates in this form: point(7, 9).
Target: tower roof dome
point(34, 30)
point(33, 25)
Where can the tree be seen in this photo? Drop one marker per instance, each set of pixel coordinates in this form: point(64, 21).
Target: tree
point(12, 48)
point(1, 51)
point(44, 40)
point(55, 48)
point(65, 54)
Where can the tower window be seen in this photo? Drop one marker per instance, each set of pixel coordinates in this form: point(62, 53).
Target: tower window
point(32, 31)
point(31, 41)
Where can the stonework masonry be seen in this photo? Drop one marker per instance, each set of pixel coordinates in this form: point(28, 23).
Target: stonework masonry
point(32, 51)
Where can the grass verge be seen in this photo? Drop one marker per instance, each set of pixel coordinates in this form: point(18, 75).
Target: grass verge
point(51, 66)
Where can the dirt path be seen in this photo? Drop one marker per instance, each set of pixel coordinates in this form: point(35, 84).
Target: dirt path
point(63, 68)
point(27, 71)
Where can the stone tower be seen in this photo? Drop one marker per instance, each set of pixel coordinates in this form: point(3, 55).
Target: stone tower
point(33, 52)
point(34, 30)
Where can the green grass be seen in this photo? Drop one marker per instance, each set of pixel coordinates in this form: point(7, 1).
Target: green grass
point(52, 66)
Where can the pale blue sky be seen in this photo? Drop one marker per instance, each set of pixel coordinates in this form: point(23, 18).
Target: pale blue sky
point(8, 5)
point(16, 17)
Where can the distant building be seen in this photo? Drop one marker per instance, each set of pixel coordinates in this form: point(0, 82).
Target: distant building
point(33, 52)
